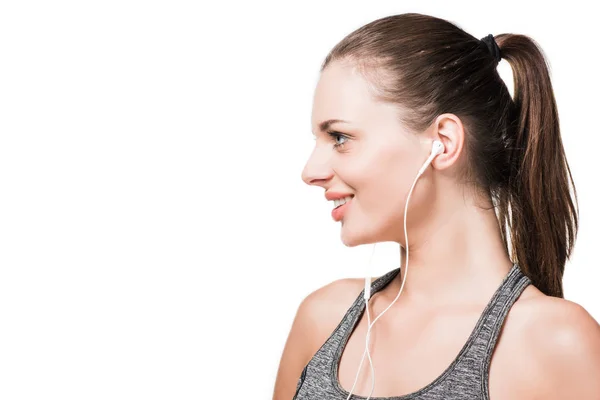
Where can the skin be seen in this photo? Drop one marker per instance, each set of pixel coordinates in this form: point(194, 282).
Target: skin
point(457, 260)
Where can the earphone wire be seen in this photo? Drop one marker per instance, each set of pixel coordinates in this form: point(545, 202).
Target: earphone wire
point(368, 335)
point(405, 266)
point(366, 352)
point(438, 148)
point(370, 324)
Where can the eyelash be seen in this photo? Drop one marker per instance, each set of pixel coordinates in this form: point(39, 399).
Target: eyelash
point(335, 134)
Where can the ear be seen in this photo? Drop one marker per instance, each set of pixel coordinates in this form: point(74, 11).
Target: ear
point(448, 129)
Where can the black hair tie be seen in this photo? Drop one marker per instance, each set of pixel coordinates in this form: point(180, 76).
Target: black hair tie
point(492, 47)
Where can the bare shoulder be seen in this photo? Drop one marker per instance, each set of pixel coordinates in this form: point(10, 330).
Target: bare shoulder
point(561, 342)
point(318, 314)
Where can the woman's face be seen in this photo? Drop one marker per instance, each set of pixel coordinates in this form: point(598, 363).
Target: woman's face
point(371, 156)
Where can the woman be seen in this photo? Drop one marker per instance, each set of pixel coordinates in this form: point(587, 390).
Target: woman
point(491, 224)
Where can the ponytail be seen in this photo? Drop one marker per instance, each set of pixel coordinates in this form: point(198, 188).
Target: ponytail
point(536, 203)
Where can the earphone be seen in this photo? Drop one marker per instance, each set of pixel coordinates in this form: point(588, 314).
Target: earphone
point(437, 148)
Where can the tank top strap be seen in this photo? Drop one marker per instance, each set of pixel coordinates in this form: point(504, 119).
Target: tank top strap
point(494, 316)
point(350, 320)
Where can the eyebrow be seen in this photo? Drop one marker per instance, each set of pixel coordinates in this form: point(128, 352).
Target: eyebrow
point(323, 126)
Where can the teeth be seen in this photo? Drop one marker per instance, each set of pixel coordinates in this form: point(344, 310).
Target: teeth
point(337, 203)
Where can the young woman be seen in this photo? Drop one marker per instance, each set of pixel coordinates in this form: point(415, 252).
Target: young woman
point(492, 221)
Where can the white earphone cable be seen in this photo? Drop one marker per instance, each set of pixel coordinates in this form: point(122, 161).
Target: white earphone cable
point(367, 296)
point(405, 267)
point(370, 324)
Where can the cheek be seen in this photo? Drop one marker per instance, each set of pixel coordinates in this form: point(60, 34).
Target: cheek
point(380, 181)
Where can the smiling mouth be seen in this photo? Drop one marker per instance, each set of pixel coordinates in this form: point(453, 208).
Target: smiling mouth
point(338, 212)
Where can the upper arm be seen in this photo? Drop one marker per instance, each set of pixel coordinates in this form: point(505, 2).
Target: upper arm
point(295, 352)
point(568, 353)
point(316, 318)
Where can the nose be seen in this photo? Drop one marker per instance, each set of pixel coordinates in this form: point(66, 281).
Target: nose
point(317, 170)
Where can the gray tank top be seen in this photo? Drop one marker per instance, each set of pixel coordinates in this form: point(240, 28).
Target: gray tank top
point(467, 376)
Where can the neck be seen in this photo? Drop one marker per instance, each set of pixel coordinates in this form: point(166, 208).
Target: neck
point(457, 257)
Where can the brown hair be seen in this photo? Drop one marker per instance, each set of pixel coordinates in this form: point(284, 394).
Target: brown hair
point(513, 146)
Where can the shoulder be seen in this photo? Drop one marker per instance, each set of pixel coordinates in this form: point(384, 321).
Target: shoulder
point(318, 314)
point(321, 311)
point(562, 341)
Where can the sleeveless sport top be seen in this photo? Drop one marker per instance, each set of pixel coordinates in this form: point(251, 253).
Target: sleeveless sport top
point(467, 376)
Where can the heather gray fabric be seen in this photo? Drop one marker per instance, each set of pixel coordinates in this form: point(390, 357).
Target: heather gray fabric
point(465, 378)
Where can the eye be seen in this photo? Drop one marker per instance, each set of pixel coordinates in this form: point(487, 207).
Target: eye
point(336, 135)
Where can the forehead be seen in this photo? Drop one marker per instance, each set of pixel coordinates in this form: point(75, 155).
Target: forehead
point(341, 93)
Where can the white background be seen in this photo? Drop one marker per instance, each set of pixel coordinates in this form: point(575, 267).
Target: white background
point(156, 238)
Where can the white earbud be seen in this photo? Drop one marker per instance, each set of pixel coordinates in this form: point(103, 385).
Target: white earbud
point(437, 148)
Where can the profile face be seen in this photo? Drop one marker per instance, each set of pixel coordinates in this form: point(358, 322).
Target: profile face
point(372, 156)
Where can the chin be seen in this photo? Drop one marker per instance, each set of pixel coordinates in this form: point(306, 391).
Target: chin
point(354, 237)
